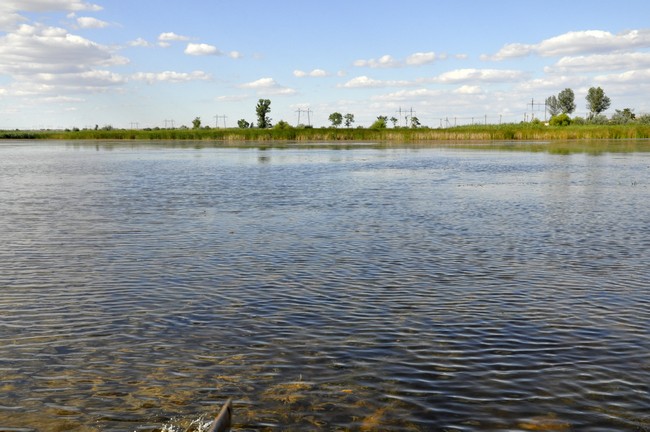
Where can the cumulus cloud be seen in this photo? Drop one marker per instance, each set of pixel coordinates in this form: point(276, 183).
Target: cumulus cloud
point(201, 49)
point(601, 62)
point(408, 95)
point(171, 76)
point(366, 82)
point(40, 48)
point(419, 59)
point(268, 86)
point(385, 61)
point(316, 73)
point(50, 5)
point(468, 90)
point(576, 42)
point(10, 10)
point(49, 58)
point(139, 42)
point(90, 22)
point(165, 39)
point(480, 75)
point(172, 37)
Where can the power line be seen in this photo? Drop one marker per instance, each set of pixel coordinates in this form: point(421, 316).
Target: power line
point(216, 120)
point(308, 111)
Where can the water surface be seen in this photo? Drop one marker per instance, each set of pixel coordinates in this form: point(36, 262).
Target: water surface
point(351, 288)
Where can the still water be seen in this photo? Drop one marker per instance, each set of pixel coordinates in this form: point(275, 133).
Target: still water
point(323, 289)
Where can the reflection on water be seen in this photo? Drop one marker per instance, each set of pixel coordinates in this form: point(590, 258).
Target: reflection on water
point(362, 289)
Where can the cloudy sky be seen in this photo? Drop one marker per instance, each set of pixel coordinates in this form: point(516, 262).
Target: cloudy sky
point(146, 63)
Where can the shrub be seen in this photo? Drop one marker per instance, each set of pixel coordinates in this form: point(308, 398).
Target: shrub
point(560, 120)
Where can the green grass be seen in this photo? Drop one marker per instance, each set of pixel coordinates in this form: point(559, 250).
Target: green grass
point(505, 132)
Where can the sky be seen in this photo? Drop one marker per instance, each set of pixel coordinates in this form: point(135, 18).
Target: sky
point(148, 63)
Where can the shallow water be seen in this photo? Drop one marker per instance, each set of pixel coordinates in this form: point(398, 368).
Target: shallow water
point(333, 289)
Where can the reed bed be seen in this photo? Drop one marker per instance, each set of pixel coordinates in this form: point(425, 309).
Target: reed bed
point(506, 132)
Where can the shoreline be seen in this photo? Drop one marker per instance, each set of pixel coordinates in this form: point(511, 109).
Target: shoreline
point(505, 132)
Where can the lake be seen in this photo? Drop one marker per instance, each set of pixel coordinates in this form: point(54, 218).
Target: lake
point(356, 287)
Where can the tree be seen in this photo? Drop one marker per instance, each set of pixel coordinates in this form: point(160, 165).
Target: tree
point(566, 101)
point(597, 102)
point(262, 110)
point(394, 121)
point(415, 122)
point(349, 119)
point(626, 115)
point(552, 106)
point(282, 125)
point(336, 118)
point(243, 124)
point(196, 123)
point(560, 120)
point(380, 123)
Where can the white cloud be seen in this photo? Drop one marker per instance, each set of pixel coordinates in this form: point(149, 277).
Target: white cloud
point(468, 90)
point(268, 86)
point(139, 42)
point(171, 76)
point(366, 82)
point(408, 95)
point(10, 10)
point(385, 61)
point(235, 55)
point(48, 58)
point(601, 62)
point(577, 42)
point(480, 75)
point(172, 37)
point(231, 98)
point(201, 49)
point(419, 59)
point(90, 22)
point(316, 73)
point(634, 76)
point(50, 5)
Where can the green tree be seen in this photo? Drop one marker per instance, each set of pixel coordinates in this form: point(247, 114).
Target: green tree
point(282, 125)
point(552, 106)
point(380, 123)
point(560, 120)
point(196, 123)
point(336, 118)
point(415, 122)
point(626, 115)
point(262, 110)
point(566, 100)
point(394, 121)
point(349, 119)
point(243, 124)
point(597, 102)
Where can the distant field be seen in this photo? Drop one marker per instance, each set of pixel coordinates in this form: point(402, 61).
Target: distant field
point(506, 132)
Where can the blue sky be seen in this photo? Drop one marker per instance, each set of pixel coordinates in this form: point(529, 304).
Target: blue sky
point(73, 63)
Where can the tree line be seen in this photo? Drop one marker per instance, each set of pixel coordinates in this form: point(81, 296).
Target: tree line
point(561, 106)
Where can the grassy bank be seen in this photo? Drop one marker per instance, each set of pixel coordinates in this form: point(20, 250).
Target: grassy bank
point(507, 132)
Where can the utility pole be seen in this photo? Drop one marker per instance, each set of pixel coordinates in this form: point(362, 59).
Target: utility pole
point(532, 108)
point(308, 111)
point(407, 114)
point(135, 125)
point(216, 120)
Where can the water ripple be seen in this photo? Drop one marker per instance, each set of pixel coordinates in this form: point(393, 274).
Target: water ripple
point(323, 289)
